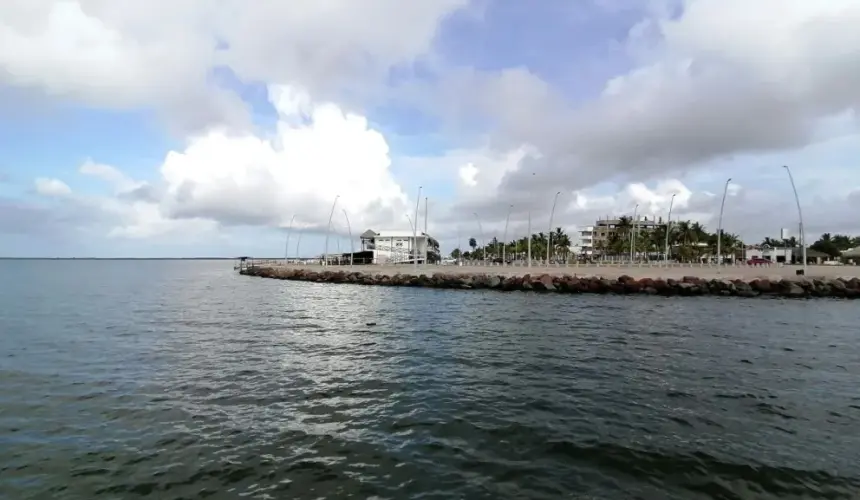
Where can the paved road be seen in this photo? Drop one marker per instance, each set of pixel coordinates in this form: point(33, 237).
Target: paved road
point(614, 271)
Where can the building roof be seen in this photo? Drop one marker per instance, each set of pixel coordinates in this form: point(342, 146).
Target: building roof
point(815, 254)
point(852, 252)
point(396, 234)
point(368, 234)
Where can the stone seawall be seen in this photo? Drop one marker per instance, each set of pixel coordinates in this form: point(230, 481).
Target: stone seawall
point(686, 286)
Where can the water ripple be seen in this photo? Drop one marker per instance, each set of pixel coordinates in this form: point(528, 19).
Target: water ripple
point(183, 380)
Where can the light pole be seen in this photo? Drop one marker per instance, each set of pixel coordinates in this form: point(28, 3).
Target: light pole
point(800, 215)
point(668, 227)
point(633, 233)
point(411, 225)
point(328, 230)
point(287, 244)
point(459, 247)
point(481, 234)
point(505, 237)
point(299, 244)
point(720, 224)
point(426, 236)
point(351, 243)
point(529, 242)
point(415, 231)
point(549, 234)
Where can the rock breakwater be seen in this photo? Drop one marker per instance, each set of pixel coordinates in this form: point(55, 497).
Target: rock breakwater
point(572, 284)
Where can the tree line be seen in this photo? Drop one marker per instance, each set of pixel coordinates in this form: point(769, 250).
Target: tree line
point(688, 242)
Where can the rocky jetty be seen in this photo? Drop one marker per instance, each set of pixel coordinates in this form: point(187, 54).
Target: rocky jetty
point(627, 285)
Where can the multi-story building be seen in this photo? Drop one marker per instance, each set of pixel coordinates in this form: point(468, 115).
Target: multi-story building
point(586, 241)
point(603, 229)
point(394, 247)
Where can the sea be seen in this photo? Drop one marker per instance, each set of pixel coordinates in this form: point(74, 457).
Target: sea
point(183, 380)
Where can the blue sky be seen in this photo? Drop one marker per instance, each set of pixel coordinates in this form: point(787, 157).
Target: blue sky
point(181, 132)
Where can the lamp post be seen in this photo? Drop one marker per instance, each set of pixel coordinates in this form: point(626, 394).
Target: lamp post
point(529, 242)
point(720, 224)
point(328, 230)
point(481, 234)
point(459, 247)
point(668, 227)
point(426, 236)
point(800, 215)
point(351, 243)
point(549, 234)
point(505, 237)
point(299, 244)
point(415, 230)
point(287, 244)
point(411, 225)
point(633, 233)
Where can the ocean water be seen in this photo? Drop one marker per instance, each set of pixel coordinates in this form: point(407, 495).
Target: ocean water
point(172, 379)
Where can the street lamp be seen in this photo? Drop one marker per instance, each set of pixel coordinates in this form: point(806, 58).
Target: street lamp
point(720, 224)
point(481, 234)
point(411, 225)
point(549, 235)
point(505, 237)
point(328, 230)
point(287, 244)
point(668, 226)
point(415, 230)
point(633, 233)
point(351, 243)
point(800, 215)
point(426, 236)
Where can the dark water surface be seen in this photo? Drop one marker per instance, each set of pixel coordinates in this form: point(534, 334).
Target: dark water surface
point(183, 380)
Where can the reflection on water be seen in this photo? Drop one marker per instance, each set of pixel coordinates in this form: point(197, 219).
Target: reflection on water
point(178, 380)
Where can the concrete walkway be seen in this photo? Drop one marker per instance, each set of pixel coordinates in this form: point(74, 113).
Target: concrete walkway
point(747, 273)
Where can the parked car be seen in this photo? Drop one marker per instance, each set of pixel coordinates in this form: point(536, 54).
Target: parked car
point(757, 261)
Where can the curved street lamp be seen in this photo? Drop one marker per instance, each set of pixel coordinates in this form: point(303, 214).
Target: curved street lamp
point(415, 230)
point(800, 215)
point(481, 234)
point(668, 227)
point(505, 237)
point(287, 244)
point(549, 234)
point(720, 225)
point(351, 243)
point(633, 233)
point(328, 230)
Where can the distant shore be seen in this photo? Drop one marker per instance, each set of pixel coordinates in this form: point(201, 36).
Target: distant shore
point(740, 281)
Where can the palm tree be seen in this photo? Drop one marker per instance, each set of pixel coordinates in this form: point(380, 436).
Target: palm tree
point(561, 243)
point(474, 244)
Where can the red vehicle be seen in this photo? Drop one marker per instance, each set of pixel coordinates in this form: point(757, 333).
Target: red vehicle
point(757, 261)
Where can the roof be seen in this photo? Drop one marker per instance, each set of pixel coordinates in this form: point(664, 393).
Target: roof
point(810, 252)
point(368, 234)
point(396, 234)
point(852, 252)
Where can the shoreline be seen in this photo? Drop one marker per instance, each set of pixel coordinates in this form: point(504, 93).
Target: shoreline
point(669, 281)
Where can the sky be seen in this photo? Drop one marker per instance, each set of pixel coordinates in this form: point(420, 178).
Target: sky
point(225, 127)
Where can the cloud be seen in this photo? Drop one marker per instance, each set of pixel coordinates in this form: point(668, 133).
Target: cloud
point(52, 187)
point(300, 169)
point(717, 80)
point(317, 153)
point(692, 84)
point(96, 53)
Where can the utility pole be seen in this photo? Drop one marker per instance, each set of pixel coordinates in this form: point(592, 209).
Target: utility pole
point(426, 236)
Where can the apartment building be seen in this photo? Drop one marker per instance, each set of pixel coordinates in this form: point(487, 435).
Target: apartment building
point(603, 229)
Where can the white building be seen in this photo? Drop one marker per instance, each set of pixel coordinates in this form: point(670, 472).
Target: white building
point(585, 245)
point(395, 247)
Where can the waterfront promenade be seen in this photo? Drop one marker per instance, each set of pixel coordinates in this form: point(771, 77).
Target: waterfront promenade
point(609, 271)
